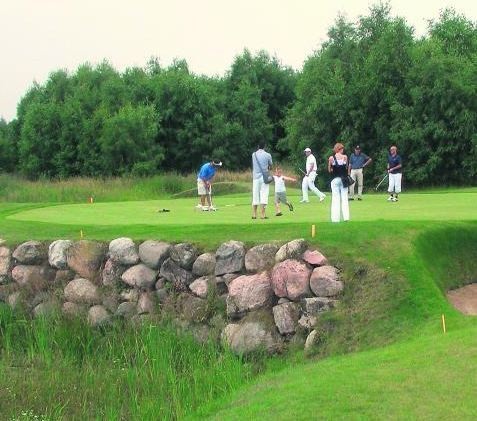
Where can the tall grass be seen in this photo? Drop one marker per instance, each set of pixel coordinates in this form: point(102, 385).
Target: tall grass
point(80, 190)
point(67, 370)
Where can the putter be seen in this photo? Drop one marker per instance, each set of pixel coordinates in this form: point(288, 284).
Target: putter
point(381, 182)
point(303, 172)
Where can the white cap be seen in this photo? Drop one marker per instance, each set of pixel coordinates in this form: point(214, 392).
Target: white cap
point(307, 150)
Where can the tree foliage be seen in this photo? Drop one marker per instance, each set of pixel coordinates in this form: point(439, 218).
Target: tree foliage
point(371, 83)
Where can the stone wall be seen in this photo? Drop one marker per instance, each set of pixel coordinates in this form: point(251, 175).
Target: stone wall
point(260, 298)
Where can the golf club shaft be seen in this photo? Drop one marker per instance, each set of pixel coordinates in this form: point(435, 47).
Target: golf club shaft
point(381, 182)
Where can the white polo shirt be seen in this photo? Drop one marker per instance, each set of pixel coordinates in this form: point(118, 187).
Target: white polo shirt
point(310, 160)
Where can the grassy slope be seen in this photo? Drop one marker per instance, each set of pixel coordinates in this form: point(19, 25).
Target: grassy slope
point(433, 377)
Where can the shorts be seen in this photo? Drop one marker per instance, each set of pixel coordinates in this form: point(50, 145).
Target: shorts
point(201, 189)
point(280, 197)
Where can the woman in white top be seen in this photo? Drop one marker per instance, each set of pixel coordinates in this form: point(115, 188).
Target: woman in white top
point(337, 166)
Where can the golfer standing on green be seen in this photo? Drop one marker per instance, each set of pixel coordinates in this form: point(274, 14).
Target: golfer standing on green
point(357, 161)
point(395, 174)
point(261, 163)
point(204, 184)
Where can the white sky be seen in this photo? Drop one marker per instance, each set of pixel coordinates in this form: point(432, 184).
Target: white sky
point(41, 36)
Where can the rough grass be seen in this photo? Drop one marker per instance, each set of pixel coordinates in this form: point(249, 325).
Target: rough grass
point(62, 369)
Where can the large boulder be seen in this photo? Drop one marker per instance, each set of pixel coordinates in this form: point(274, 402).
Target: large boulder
point(261, 257)
point(126, 310)
point(85, 257)
point(33, 277)
point(140, 276)
point(57, 253)
point(73, 309)
point(193, 309)
point(286, 317)
point(230, 258)
point(5, 262)
point(112, 272)
point(311, 340)
point(123, 251)
point(325, 282)
point(82, 291)
point(146, 303)
point(255, 332)
point(177, 276)
point(291, 250)
point(30, 253)
point(248, 293)
point(291, 279)
point(314, 258)
point(184, 254)
point(154, 253)
point(204, 265)
point(313, 306)
point(98, 316)
point(200, 287)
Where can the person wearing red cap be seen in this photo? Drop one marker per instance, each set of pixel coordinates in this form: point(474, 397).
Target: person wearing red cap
point(309, 178)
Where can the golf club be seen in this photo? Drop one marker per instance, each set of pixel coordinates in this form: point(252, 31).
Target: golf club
point(303, 172)
point(381, 182)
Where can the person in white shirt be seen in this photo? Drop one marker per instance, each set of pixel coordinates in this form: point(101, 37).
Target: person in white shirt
point(309, 178)
point(281, 191)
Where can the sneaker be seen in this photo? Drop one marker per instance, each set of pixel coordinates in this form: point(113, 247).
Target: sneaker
point(351, 198)
point(290, 206)
point(304, 201)
point(322, 198)
point(199, 207)
point(279, 214)
point(395, 199)
point(205, 208)
point(390, 198)
point(212, 208)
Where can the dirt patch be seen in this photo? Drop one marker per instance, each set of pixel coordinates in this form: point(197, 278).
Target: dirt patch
point(464, 299)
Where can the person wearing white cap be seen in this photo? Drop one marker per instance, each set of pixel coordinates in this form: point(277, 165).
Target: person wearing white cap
point(309, 178)
point(204, 184)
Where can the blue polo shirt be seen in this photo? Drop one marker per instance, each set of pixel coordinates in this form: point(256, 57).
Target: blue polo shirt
point(393, 161)
point(357, 161)
point(206, 172)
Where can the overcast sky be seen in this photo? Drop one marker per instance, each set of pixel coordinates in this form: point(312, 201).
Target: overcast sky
point(41, 36)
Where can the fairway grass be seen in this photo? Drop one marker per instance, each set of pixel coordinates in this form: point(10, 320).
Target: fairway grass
point(432, 377)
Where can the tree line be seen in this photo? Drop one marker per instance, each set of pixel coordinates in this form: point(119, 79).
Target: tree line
point(372, 83)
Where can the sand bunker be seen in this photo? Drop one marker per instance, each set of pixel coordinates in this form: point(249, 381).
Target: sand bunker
point(464, 299)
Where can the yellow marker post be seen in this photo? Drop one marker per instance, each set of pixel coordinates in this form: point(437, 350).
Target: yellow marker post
point(91, 200)
point(443, 323)
point(81, 234)
point(313, 231)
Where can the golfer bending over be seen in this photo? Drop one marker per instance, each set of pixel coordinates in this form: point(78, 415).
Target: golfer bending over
point(204, 184)
point(309, 178)
point(261, 164)
point(337, 166)
point(281, 191)
point(395, 174)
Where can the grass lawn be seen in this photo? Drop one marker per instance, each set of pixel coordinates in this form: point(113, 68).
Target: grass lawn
point(398, 259)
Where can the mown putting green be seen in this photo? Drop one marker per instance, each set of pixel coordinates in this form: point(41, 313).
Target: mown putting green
point(236, 210)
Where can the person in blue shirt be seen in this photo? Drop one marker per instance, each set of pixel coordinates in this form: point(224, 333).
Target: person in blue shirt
point(204, 184)
point(357, 162)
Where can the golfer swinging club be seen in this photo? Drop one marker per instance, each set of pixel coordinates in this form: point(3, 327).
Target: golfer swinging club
point(204, 184)
point(309, 178)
